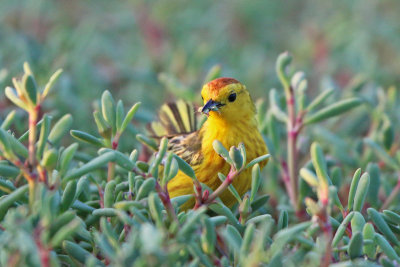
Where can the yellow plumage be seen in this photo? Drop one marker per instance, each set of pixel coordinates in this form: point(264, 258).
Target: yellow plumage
point(231, 120)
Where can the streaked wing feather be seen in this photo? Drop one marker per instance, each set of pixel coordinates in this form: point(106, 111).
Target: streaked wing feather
point(177, 121)
point(174, 118)
point(187, 147)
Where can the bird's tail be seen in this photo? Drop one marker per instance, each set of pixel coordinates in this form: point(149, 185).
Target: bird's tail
point(174, 118)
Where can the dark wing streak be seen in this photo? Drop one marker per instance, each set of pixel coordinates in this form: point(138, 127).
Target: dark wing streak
point(171, 123)
point(187, 147)
point(177, 116)
point(192, 116)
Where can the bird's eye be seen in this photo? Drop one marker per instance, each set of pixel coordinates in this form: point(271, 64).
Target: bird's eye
point(202, 98)
point(232, 97)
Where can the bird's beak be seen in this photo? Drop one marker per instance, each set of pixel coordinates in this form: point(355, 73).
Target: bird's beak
point(211, 105)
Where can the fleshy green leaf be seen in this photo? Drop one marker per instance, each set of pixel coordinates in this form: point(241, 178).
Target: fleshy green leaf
point(236, 157)
point(147, 141)
point(309, 177)
point(255, 181)
point(65, 232)
point(102, 126)
point(208, 236)
point(87, 138)
point(185, 167)
point(353, 188)
point(129, 117)
point(145, 189)
point(108, 108)
point(275, 107)
point(155, 208)
point(13, 97)
point(68, 196)
point(355, 246)
point(222, 151)
point(375, 183)
point(94, 164)
point(319, 99)
point(49, 159)
point(106, 212)
point(109, 194)
point(8, 120)
point(225, 211)
point(386, 247)
point(9, 200)
point(53, 79)
point(79, 253)
point(66, 157)
point(380, 223)
point(361, 192)
point(44, 133)
point(247, 240)
point(357, 222)
point(119, 115)
point(341, 230)
point(332, 110)
point(258, 160)
point(282, 63)
point(283, 220)
point(62, 126)
point(8, 171)
point(369, 233)
point(233, 238)
point(29, 84)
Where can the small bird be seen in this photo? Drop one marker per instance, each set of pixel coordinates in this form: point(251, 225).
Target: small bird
point(230, 119)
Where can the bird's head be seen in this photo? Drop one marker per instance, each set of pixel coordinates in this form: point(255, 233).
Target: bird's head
point(227, 98)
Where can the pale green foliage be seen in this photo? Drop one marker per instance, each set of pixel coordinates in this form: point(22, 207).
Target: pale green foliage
point(99, 206)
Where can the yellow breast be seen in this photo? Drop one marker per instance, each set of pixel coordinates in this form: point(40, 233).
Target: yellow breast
point(229, 134)
point(207, 172)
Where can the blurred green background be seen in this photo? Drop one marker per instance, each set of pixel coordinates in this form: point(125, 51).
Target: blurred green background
point(123, 46)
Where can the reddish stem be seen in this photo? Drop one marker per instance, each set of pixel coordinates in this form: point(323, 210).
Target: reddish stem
point(101, 195)
point(42, 174)
point(165, 199)
point(43, 252)
point(197, 194)
point(291, 148)
point(229, 179)
point(392, 195)
point(328, 251)
point(33, 116)
point(286, 179)
point(111, 165)
point(115, 141)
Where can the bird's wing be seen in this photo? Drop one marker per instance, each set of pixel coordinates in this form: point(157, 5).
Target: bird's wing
point(187, 147)
point(174, 118)
point(177, 121)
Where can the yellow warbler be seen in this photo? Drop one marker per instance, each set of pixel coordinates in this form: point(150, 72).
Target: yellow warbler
point(231, 120)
